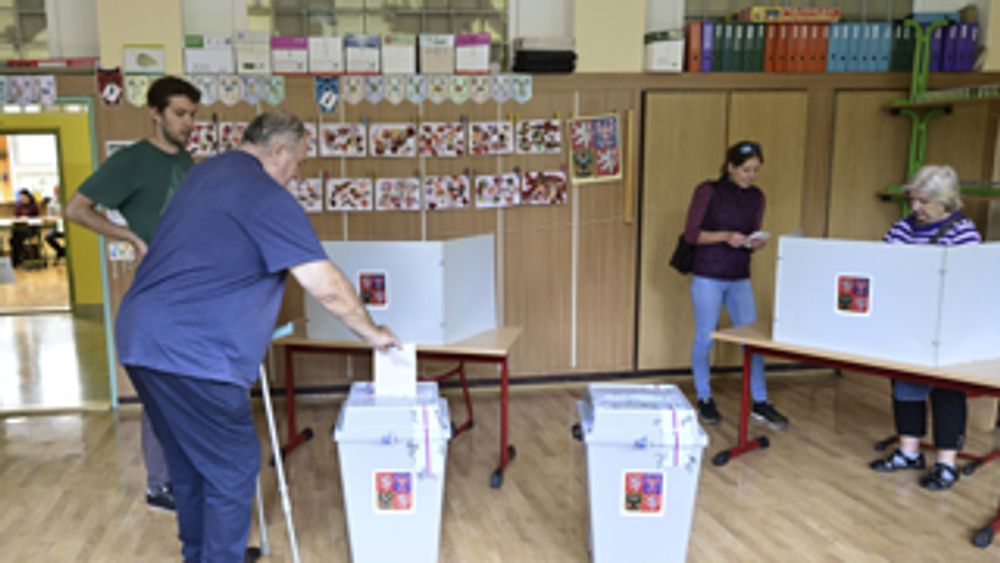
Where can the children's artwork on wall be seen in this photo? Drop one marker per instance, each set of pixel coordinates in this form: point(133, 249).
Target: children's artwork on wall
point(595, 149)
point(349, 194)
point(539, 136)
point(442, 139)
point(111, 147)
point(343, 139)
point(544, 188)
point(446, 192)
point(203, 140)
point(491, 137)
point(309, 193)
point(498, 190)
point(230, 134)
point(396, 140)
point(312, 139)
point(397, 194)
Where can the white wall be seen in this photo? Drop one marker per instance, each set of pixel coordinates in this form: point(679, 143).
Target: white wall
point(215, 17)
point(72, 28)
point(662, 15)
point(34, 162)
point(541, 18)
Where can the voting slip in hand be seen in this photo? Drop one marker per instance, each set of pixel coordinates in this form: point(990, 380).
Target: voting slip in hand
point(756, 235)
point(396, 372)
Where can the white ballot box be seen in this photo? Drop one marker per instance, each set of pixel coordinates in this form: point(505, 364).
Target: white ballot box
point(392, 453)
point(644, 448)
point(428, 292)
point(927, 305)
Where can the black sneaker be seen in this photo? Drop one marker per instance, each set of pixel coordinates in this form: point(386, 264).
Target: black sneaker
point(765, 412)
point(161, 498)
point(708, 412)
point(897, 461)
point(940, 477)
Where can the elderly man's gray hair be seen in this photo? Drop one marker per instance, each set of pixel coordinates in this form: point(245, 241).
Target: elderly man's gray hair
point(936, 183)
point(269, 127)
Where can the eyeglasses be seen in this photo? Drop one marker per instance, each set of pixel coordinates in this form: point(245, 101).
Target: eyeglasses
point(749, 148)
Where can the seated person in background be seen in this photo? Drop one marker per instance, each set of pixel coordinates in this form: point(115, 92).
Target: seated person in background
point(24, 207)
point(936, 219)
point(55, 237)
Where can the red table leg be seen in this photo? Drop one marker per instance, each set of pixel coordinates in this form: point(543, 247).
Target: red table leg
point(507, 451)
point(743, 444)
point(295, 438)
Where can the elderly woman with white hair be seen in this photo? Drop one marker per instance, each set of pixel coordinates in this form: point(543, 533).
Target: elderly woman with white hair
point(936, 219)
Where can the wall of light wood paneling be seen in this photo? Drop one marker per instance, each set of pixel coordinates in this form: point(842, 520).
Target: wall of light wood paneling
point(869, 155)
point(685, 138)
point(960, 140)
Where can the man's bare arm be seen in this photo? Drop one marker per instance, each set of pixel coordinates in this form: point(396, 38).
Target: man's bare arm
point(80, 210)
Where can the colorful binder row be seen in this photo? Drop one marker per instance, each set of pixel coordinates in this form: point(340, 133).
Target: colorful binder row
point(823, 47)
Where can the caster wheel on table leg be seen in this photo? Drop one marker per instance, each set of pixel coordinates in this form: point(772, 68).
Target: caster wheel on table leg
point(721, 458)
point(970, 468)
point(307, 434)
point(496, 480)
point(252, 554)
point(511, 452)
point(764, 442)
point(983, 538)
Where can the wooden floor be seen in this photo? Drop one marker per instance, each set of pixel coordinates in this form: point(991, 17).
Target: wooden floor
point(72, 487)
point(34, 290)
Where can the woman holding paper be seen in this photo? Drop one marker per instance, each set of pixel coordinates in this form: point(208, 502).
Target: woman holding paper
point(936, 219)
point(723, 223)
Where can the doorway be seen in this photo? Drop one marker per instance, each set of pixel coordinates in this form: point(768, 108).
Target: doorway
point(34, 276)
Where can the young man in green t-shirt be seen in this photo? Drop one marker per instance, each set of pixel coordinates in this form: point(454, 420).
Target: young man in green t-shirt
point(139, 181)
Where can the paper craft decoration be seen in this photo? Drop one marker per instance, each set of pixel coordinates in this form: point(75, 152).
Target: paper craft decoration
point(309, 193)
point(327, 93)
point(397, 194)
point(854, 295)
point(398, 140)
point(46, 89)
point(438, 87)
point(349, 194)
point(312, 137)
point(253, 86)
point(136, 87)
point(374, 89)
point(539, 136)
point(481, 89)
point(460, 90)
point(595, 149)
point(498, 190)
point(343, 139)
point(230, 89)
point(208, 85)
point(230, 134)
point(544, 188)
point(203, 140)
point(416, 88)
point(395, 88)
point(374, 293)
point(442, 139)
point(144, 59)
point(24, 90)
point(491, 137)
point(274, 89)
point(446, 192)
point(109, 85)
point(503, 88)
point(394, 491)
point(352, 88)
point(522, 85)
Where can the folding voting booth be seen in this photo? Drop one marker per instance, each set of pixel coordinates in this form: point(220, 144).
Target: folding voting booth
point(429, 292)
point(927, 305)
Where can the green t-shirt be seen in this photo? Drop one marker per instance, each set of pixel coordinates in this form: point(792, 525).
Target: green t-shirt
point(138, 181)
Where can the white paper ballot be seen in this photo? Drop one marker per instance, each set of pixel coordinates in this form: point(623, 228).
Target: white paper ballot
point(757, 235)
point(396, 372)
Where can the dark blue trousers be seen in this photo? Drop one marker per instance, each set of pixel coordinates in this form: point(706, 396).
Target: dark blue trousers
point(213, 454)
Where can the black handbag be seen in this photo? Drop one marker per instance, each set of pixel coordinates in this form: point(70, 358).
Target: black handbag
point(683, 257)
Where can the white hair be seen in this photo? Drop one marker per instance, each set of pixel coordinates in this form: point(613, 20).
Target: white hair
point(936, 183)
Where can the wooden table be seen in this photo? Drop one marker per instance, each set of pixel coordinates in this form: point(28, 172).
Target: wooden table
point(490, 347)
point(974, 378)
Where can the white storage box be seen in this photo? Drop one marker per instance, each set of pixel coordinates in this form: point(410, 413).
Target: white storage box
point(665, 51)
point(472, 53)
point(927, 305)
point(437, 54)
point(392, 454)
point(362, 54)
point(399, 53)
point(289, 55)
point(644, 447)
point(326, 55)
point(544, 44)
point(253, 52)
point(207, 54)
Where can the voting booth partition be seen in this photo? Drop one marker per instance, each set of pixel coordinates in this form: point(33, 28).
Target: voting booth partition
point(428, 292)
point(926, 305)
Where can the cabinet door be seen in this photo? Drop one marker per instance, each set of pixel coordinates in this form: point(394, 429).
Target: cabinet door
point(684, 140)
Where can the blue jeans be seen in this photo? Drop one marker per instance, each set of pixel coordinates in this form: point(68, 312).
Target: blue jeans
point(211, 447)
point(708, 295)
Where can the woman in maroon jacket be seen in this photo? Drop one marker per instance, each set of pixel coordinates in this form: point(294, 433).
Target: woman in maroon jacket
point(25, 206)
point(721, 219)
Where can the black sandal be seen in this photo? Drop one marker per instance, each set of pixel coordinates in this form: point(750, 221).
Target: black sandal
point(897, 461)
point(940, 477)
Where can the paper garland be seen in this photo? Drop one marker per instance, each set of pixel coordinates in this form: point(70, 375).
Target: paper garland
point(327, 93)
point(136, 87)
point(110, 86)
